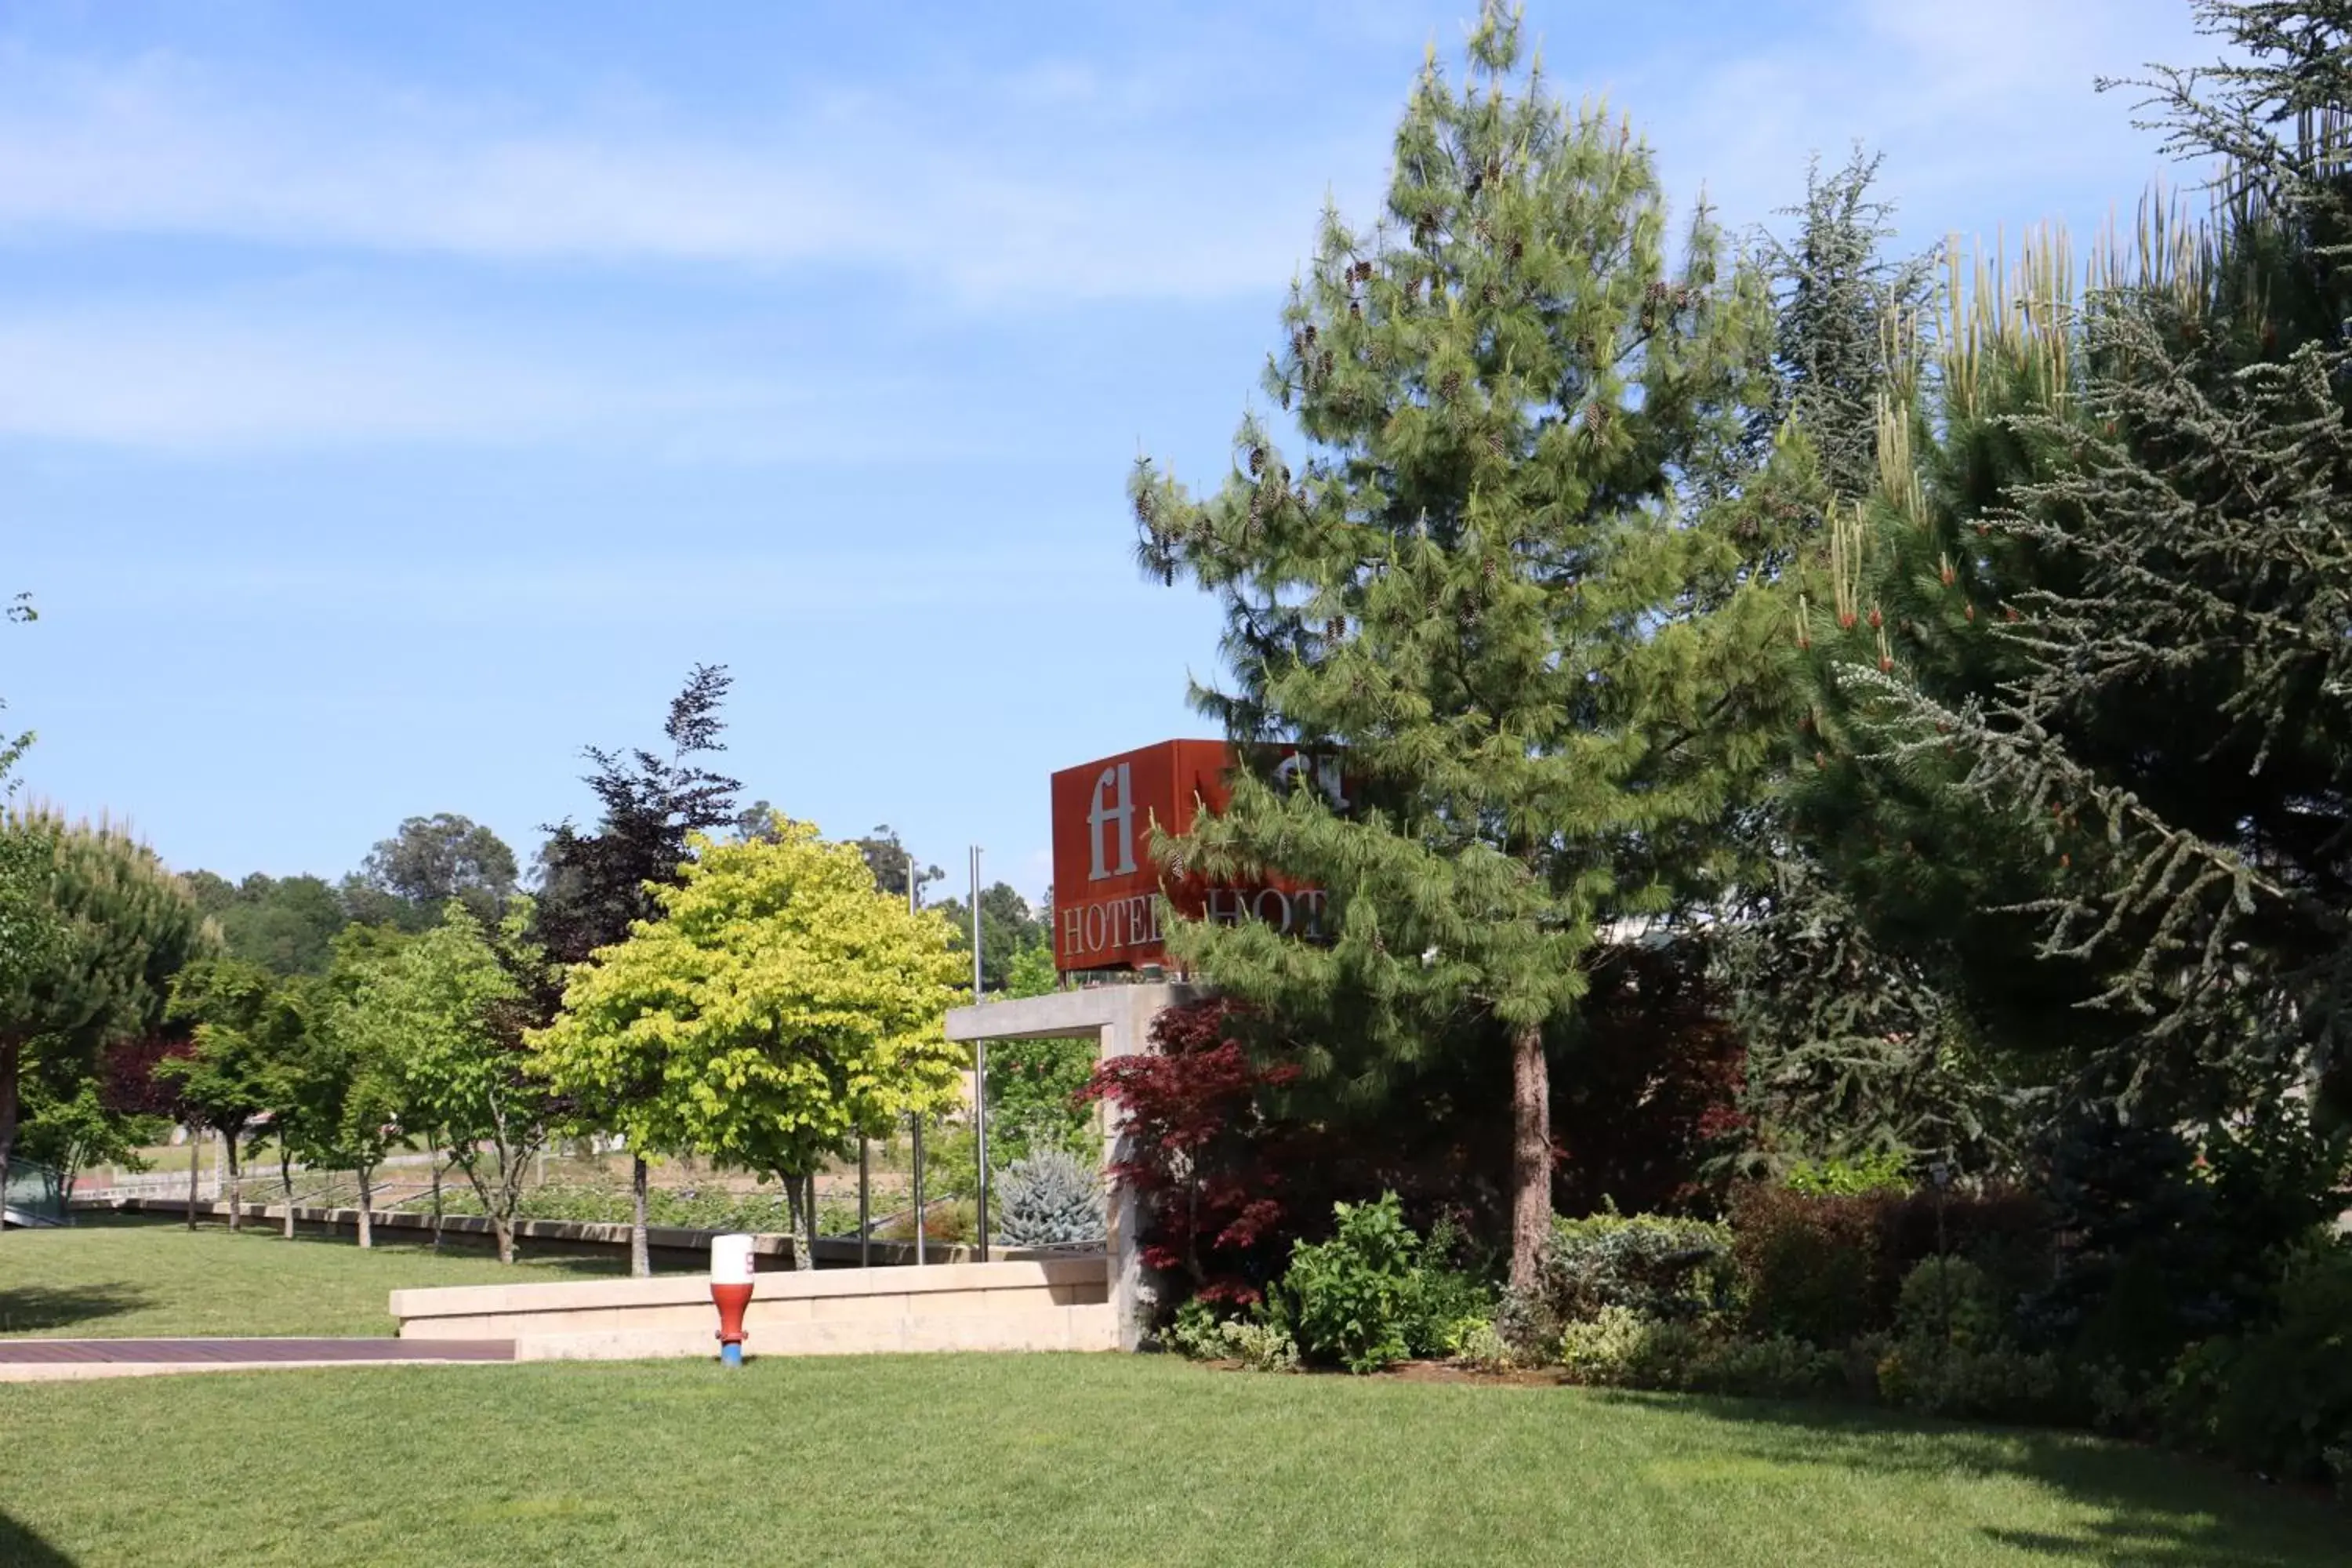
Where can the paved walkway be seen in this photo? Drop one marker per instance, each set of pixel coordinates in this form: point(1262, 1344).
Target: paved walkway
point(31, 1361)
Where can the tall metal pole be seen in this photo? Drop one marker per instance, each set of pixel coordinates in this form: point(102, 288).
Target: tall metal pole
point(979, 1066)
point(865, 1210)
point(915, 1120)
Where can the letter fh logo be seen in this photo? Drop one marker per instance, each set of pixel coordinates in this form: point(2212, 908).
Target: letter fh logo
point(1119, 809)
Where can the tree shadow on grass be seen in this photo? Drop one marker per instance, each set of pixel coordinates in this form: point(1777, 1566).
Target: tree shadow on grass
point(20, 1548)
point(36, 1309)
point(2160, 1511)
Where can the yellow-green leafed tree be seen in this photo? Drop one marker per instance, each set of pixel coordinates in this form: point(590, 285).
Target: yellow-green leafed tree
point(781, 1006)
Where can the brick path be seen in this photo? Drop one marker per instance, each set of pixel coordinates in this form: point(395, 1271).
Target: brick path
point(23, 1361)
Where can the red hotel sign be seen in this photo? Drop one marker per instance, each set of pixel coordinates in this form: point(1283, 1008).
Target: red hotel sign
point(1106, 886)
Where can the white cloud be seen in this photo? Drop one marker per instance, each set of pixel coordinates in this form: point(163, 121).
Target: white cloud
point(1187, 178)
point(268, 370)
point(1021, 203)
point(1986, 112)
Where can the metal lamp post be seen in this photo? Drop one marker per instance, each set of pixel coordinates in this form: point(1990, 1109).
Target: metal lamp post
point(979, 1070)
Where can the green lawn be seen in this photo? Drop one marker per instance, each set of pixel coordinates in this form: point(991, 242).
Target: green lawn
point(124, 1278)
point(969, 1461)
point(966, 1461)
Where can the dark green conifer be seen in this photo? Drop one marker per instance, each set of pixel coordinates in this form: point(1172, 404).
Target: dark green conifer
point(2089, 700)
point(1479, 582)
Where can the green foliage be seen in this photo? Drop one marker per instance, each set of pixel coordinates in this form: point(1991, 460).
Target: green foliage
point(1480, 579)
point(1951, 1301)
point(1048, 1196)
point(1620, 1347)
point(106, 928)
point(1655, 1266)
point(286, 924)
point(1353, 1301)
point(409, 878)
point(30, 929)
point(1376, 1293)
point(2164, 1241)
point(1259, 1346)
point(1009, 931)
point(780, 1008)
point(1996, 1381)
point(1479, 1345)
point(2278, 1399)
point(72, 1133)
point(1032, 1089)
point(2082, 670)
point(1810, 1267)
point(440, 1017)
point(1451, 1303)
point(252, 1029)
point(891, 862)
point(1879, 1173)
point(1032, 970)
point(1617, 1346)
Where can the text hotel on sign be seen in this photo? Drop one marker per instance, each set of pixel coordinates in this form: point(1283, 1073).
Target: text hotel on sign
point(1107, 887)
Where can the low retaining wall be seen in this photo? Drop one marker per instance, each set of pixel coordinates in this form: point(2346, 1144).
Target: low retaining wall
point(668, 1243)
point(1061, 1304)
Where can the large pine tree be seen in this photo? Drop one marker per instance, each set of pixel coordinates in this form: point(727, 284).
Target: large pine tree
point(1480, 582)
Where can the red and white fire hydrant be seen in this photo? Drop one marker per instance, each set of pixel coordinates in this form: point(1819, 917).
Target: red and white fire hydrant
point(731, 1289)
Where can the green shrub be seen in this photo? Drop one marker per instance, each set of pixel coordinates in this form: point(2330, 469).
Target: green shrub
point(1260, 1346)
point(1775, 1368)
point(2276, 1399)
point(1446, 1304)
point(1809, 1266)
point(1997, 1383)
point(1951, 1300)
point(1356, 1299)
point(1376, 1293)
point(1482, 1348)
point(1880, 1172)
point(1617, 1347)
point(1620, 1347)
point(1655, 1266)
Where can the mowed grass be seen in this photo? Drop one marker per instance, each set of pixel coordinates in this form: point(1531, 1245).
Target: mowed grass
point(119, 1277)
point(967, 1461)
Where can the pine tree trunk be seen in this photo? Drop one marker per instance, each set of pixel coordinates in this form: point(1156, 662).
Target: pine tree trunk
point(367, 1203)
point(641, 1264)
point(1530, 1156)
point(433, 1146)
point(195, 1169)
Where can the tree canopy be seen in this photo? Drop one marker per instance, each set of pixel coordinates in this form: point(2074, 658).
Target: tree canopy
point(779, 1006)
point(1478, 581)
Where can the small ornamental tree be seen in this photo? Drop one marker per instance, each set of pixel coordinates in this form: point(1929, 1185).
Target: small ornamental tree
point(250, 1030)
point(1207, 1165)
point(444, 1013)
point(779, 1007)
point(1484, 581)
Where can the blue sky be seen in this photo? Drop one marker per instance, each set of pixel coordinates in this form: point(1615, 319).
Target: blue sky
point(394, 398)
